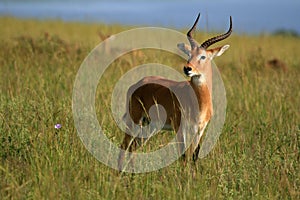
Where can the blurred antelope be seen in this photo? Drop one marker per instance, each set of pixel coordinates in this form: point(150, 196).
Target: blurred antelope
point(106, 39)
point(155, 90)
point(276, 64)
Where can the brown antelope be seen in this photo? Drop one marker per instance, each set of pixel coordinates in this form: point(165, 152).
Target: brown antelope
point(276, 64)
point(106, 39)
point(156, 90)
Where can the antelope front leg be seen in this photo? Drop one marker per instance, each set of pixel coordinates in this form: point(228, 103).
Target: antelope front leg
point(194, 138)
point(180, 137)
point(198, 138)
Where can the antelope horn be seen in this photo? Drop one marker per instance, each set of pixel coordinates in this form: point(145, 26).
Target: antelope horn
point(216, 39)
point(189, 34)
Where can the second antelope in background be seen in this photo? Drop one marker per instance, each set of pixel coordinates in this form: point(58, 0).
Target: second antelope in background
point(144, 97)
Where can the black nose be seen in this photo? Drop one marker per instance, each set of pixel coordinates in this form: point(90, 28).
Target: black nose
point(187, 70)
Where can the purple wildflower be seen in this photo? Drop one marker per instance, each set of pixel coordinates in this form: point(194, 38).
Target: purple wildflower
point(57, 126)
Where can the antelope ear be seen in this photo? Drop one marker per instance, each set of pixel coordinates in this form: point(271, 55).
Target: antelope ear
point(184, 48)
point(218, 51)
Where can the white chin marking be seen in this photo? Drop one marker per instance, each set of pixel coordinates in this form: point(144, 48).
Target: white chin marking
point(192, 74)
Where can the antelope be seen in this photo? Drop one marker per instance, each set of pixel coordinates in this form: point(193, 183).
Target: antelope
point(276, 64)
point(106, 39)
point(156, 90)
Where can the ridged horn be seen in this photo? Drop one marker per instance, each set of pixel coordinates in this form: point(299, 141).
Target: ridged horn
point(216, 39)
point(191, 31)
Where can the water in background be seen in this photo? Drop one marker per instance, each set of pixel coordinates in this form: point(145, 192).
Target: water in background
point(249, 16)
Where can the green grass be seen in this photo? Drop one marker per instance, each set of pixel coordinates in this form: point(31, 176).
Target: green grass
point(256, 157)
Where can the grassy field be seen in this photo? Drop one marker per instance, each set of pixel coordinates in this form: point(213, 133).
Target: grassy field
point(256, 157)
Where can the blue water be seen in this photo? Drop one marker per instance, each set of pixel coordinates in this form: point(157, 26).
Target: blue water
point(248, 16)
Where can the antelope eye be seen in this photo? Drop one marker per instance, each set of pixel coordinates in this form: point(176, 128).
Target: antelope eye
point(201, 57)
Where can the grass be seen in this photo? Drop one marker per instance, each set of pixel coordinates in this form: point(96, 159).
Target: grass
point(256, 157)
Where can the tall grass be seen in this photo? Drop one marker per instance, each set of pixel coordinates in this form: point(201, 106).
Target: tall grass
point(257, 155)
